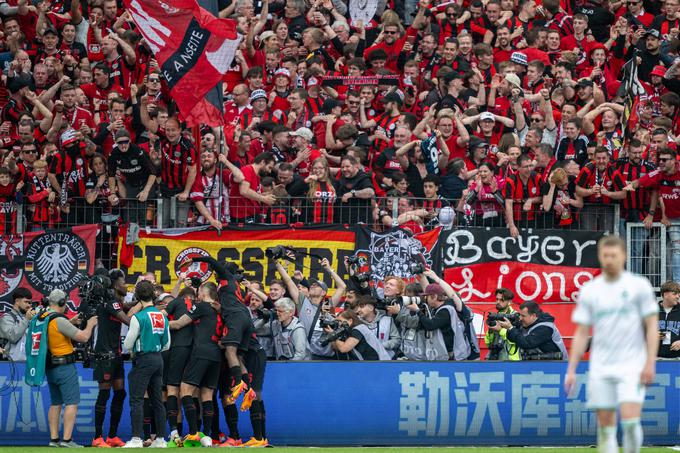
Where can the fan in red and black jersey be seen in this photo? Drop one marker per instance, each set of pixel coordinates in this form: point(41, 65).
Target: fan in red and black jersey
point(68, 173)
point(384, 124)
point(41, 197)
point(522, 196)
point(116, 120)
point(98, 91)
point(297, 115)
point(491, 128)
point(636, 204)
point(122, 66)
point(50, 47)
point(8, 204)
point(321, 195)
point(211, 200)
point(386, 165)
point(600, 181)
point(433, 202)
point(250, 118)
point(305, 152)
point(18, 87)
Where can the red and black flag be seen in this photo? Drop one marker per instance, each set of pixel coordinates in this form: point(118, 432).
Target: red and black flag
point(194, 50)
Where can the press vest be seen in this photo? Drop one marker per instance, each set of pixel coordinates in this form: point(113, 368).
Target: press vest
point(461, 347)
point(372, 342)
point(153, 331)
point(381, 329)
point(556, 338)
point(307, 316)
point(283, 339)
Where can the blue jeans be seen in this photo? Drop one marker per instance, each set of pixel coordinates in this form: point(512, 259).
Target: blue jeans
point(674, 249)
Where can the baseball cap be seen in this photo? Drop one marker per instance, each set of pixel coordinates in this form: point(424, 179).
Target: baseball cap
point(163, 296)
point(392, 97)
point(56, 295)
point(69, 137)
point(512, 79)
point(658, 71)
point(487, 116)
point(476, 142)
point(434, 289)
point(519, 58)
point(258, 94)
point(653, 32)
point(304, 133)
point(265, 35)
point(282, 72)
point(304, 282)
point(319, 283)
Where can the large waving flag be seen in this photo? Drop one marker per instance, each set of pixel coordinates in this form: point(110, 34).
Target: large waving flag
point(194, 49)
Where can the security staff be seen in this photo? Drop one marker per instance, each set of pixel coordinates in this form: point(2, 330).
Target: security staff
point(538, 338)
point(496, 336)
point(149, 334)
point(62, 377)
point(14, 323)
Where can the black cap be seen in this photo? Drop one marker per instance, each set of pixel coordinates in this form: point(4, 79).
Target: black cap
point(16, 83)
point(51, 31)
point(476, 142)
point(653, 32)
point(392, 97)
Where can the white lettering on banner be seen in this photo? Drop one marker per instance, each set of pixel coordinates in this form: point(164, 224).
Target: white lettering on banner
point(531, 406)
point(466, 290)
point(418, 413)
point(26, 411)
point(460, 393)
point(486, 401)
point(655, 415)
point(549, 285)
point(537, 284)
point(150, 26)
point(187, 56)
point(579, 250)
point(461, 249)
point(578, 419)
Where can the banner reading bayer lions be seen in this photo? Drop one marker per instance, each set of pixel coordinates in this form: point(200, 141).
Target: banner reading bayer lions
point(43, 261)
point(542, 265)
point(163, 252)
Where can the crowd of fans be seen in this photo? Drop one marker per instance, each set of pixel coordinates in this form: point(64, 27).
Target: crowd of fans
point(513, 113)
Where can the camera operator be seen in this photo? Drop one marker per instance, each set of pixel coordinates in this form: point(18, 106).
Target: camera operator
point(448, 308)
point(538, 337)
point(289, 336)
point(360, 343)
point(496, 336)
point(314, 306)
point(382, 326)
point(108, 368)
point(256, 299)
point(669, 321)
point(417, 344)
point(62, 376)
point(14, 323)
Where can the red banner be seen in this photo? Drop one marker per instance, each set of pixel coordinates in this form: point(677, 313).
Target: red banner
point(43, 261)
point(194, 50)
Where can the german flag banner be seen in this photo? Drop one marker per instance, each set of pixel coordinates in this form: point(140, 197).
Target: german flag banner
point(46, 260)
point(163, 252)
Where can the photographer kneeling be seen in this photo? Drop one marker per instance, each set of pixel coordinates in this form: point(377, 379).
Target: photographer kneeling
point(496, 336)
point(538, 337)
point(355, 338)
point(288, 333)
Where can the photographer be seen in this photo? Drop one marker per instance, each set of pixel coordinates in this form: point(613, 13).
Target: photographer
point(538, 337)
point(496, 336)
point(290, 338)
point(14, 323)
point(446, 321)
point(417, 344)
point(360, 341)
point(62, 376)
point(255, 300)
point(108, 368)
point(382, 326)
point(315, 306)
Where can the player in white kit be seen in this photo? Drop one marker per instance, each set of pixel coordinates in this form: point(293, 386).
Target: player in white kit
point(622, 312)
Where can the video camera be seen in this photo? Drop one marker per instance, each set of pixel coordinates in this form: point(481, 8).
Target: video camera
point(94, 291)
point(493, 318)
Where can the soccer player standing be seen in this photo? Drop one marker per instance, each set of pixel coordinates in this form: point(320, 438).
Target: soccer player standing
point(621, 310)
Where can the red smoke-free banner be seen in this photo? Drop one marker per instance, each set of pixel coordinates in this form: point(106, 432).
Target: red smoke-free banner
point(540, 265)
point(46, 260)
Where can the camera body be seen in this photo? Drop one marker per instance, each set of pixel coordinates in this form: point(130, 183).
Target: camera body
point(416, 268)
point(327, 320)
point(340, 332)
point(493, 318)
point(94, 291)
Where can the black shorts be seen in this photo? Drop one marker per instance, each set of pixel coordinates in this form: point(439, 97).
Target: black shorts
point(256, 362)
point(107, 371)
point(237, 328)
point(224, 380)
point(202, 373)
point(173, 368)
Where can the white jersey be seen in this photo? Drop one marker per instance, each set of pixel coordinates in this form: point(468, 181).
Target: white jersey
point(616, 311)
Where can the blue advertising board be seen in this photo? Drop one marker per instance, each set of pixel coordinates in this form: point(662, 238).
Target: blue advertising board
point(391, 403)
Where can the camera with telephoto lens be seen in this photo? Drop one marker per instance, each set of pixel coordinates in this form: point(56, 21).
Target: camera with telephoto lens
point(327, 320)
point(340, 332)
point(278, 252)
point(353, 260)
point(493, 318)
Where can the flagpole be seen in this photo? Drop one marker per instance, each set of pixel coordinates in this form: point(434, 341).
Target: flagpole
point(221, 173)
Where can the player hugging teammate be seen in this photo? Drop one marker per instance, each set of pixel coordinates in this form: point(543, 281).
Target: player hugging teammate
point(214, 348)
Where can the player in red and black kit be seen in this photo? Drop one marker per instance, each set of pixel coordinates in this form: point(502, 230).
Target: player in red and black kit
point(178, 355)
point(108, 366)
point(203, 369)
